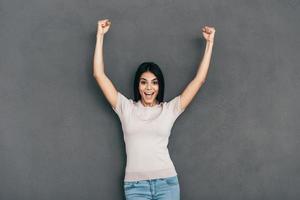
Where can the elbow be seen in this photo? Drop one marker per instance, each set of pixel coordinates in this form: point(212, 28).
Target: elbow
point(97, 75)
point(202, 81)
point(97, 70)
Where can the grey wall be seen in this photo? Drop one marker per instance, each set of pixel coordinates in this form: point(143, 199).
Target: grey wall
point(238, 139)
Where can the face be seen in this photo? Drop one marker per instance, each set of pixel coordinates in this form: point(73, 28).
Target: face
point(148, 84)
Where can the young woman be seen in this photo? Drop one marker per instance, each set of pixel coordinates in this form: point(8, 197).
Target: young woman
point(147, 121)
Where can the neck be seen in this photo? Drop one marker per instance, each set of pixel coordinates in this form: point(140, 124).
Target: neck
point(149, 105)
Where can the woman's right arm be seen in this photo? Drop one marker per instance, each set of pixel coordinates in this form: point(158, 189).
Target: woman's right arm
point(107, 87)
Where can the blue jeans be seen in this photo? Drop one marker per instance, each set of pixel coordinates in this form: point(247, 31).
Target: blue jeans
point(154, 189)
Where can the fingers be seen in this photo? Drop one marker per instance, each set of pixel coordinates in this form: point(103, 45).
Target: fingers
point(208, 29)
point(104, 22)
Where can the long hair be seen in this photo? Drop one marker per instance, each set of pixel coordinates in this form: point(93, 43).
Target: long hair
point(155, 69)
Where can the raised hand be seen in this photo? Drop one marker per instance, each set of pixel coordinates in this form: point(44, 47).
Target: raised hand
point(103, 26)
point(208, 33)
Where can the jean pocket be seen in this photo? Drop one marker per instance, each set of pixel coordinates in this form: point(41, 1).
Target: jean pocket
point(129, 184)
point(172, 180)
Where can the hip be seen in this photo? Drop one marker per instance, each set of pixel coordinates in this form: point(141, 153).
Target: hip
point(160, 188)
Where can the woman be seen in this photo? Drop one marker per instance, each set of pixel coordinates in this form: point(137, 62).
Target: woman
point(147, 122)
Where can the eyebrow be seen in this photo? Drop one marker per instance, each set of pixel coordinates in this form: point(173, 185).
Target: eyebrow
point(152, 79)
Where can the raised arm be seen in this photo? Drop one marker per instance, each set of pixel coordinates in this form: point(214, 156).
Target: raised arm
point(193, 87)
point(109, 90)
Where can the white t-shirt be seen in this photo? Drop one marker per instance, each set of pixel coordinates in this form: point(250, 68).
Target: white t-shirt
point(146, 132)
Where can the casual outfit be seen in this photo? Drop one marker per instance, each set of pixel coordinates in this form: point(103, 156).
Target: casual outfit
point(146, 132)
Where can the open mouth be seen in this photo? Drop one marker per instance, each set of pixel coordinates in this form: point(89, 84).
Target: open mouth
point(149, 94)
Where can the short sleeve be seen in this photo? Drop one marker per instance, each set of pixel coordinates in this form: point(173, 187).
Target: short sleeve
point(174, 107)
point(123, 105)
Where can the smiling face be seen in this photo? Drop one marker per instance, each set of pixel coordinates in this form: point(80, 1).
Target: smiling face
point(148, 88)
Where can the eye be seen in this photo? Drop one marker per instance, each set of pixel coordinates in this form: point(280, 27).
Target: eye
point(155, 82)
point(143, 82)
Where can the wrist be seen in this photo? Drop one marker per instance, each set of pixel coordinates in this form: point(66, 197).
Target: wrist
point(210, 42)
point(100, 34)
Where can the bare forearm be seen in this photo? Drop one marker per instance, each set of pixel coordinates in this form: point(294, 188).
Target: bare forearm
point(204, 65)
point(98, 56)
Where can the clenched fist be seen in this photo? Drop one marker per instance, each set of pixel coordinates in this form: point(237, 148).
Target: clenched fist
point(103, 26)
point(208, 33)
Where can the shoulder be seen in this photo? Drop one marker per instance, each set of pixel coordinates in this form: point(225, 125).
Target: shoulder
point(173, 106)
point(124, 104)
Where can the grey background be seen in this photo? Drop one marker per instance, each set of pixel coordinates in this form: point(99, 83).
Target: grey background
point(238, 139)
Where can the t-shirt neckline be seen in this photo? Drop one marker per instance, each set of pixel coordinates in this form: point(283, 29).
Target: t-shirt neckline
point(148, 107)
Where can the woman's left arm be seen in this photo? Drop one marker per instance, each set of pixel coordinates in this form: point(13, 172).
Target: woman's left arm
point(193, 87)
